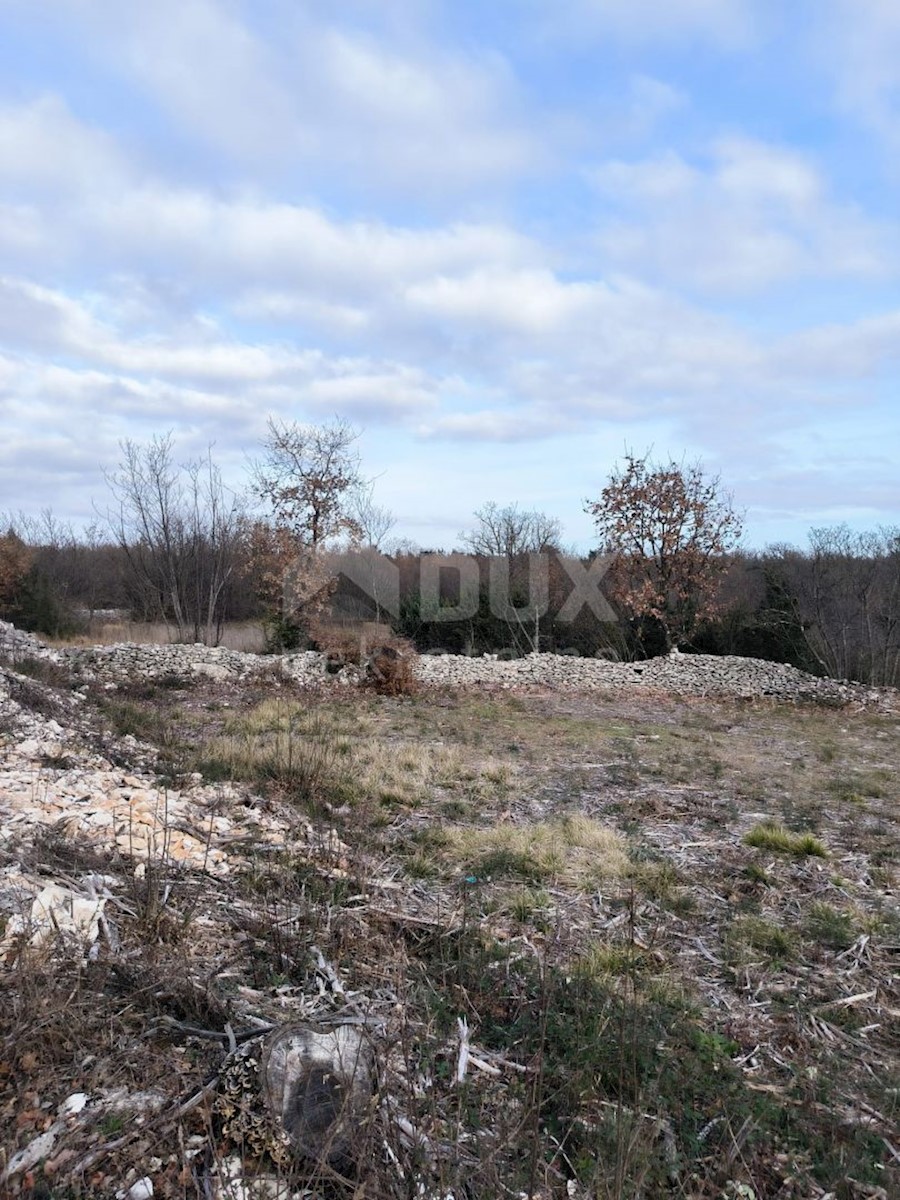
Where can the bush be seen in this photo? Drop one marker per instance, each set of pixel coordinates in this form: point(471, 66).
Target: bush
point(341, 644)
point(282, 634)
point(390, 670)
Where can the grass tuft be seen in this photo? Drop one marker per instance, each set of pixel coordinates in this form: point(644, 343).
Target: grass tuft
point(767, 836)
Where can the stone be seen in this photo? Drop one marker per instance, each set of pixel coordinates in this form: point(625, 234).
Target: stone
point(211, 670)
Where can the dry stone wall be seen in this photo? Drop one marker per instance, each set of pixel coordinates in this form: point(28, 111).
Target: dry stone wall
point(680, 674)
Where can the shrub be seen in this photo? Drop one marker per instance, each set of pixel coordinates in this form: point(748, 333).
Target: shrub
point(390, 670)
point(341, 644)
point(282, 634)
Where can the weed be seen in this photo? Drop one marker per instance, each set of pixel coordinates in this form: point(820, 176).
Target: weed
point(601, 1054)
point(859, 786)
point(530, 905)
point(615, 960)
point(456, 810)
point(44, 670)
point(757, 874)
point(283, 748)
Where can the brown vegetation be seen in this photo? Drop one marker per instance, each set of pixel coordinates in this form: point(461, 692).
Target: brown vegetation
point(668, 528)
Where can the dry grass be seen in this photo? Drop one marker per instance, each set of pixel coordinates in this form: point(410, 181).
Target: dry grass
point(337, 755)
point(245, 636)
point(572, 852)
point(657, 1007)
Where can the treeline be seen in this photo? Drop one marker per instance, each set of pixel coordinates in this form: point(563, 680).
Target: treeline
point(175, 546)
point(831, 610)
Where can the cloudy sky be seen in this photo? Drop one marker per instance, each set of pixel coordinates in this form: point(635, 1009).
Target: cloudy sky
point(507, 239)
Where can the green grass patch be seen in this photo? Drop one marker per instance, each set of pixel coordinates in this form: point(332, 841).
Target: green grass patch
point(605, 1045)
point(777, 838)
point(861, 785)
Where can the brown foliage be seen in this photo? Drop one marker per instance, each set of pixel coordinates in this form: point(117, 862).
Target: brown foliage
point(390, 669)
point(15, 561)
point(389, 660)
point(306, 479)
point(290, 579)
point(669, 529)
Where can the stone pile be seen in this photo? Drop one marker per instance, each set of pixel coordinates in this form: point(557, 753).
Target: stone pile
point(127, 660)
point(15, 644)
point(53, 777)
point(52, 780)
point(57, 776)
point(681, 674)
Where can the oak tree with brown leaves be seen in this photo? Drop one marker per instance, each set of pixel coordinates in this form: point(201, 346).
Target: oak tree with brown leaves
point(15, 560)
point(668, 529)
point(306, 479)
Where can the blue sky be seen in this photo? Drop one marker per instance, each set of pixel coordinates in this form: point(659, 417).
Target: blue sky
point(505, 239)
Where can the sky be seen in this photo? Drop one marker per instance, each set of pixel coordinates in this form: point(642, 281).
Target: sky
point(508, 240)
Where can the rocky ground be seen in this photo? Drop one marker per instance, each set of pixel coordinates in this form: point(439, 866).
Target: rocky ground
point(689, 863)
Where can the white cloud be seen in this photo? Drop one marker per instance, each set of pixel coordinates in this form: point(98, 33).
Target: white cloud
point(845, 352)
point(435, 119)
point(523, 301)
point(649, 102)
point(861, 45)
point(321, 97)
point(399, 393)
point(754, 216)
point(489, 425)
point(63, 353)
point(727, 22)
point(88, 204)
point(44, 149)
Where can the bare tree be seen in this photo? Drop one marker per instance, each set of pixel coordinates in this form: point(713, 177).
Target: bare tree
point(512, 531)
point(669, 529)
point(373, 523)
point(181, 532)
point(306, 479)
point(849, 596)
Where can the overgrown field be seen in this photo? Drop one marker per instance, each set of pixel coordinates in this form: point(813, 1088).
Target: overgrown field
point(665, 933)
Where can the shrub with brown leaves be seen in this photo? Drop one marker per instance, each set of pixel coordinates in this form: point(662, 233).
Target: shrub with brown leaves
point(390, 669)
